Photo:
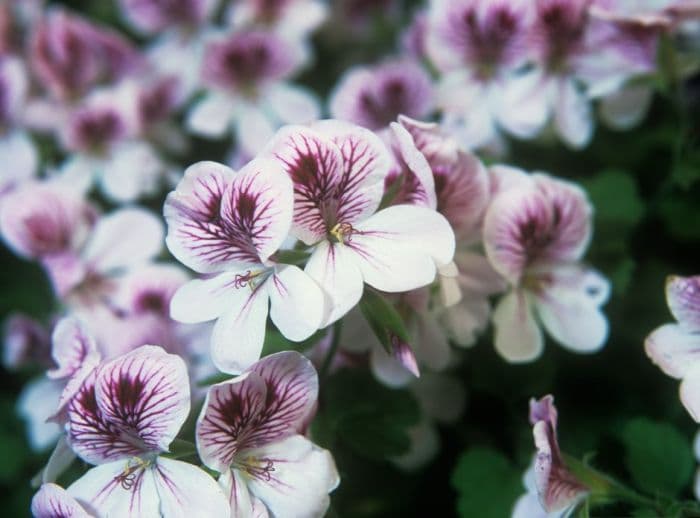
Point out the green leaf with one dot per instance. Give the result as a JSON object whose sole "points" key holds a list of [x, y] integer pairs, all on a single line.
{"points": [[680, 214], [368, 417], [658, 456], [615, 198], [487, 484], [383, 318]]}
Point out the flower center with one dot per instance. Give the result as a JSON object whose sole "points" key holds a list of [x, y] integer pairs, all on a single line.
{"points": [[129, 476], [258, 468], [251, 279], [343, 232]]}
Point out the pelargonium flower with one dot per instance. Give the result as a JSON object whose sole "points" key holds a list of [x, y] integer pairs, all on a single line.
{"points": [[70, 55], [228, 225], [246, 76], [477, 45], [123, 420], [535, 234], [557, 489], [25, 342], [250, 430], [375, 96], [17, 150], [52, 501], [338, 171], [81, 252], [294, 19], [674, 347]]}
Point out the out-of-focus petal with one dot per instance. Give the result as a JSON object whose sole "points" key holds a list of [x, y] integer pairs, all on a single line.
{"points": [[673, 349], [572, 115], [683, 298], [517, 338], [52, 501]]}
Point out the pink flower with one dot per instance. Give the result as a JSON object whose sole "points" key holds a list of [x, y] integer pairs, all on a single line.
{"points": [[153, 16], [123, 419], [535, 234], [52, 501], [250, 430]]}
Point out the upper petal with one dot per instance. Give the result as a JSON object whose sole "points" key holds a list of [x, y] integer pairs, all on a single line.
{"points": [[683, 297], [228, 416], [71, 347], [256, 210], [297, 303], [315, 165], [124, 238], [192, 212], [300, 477]]}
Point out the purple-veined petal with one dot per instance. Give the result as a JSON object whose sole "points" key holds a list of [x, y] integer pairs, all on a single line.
{"points": [[192, 213], [72, 347], [201, 300], [683, 298], [568, 304], [437, 147], [149, 290], [399, 248], [557, 488], [230, 413], [292, 390], [242, 502], [160, 487], [52, 501], [366, 163], [239, 333], [517, 337], [419, 184], [334, 267], [527, 226], [146, 394], [315, 165], [292, 477], [673, 349], [297, 303], [572, 115], [124, 238], [256, 210]]}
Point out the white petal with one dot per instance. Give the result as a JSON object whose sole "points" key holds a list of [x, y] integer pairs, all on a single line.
{"points": [[302, 478], [517, 336], [388, 369], [238, 335], [243, 504], [124, 238], [690, 392], [254, 129], [569, 308], [211, 116], [625, 109], [524, 105], [19, 157], [297, 303], [334, 268], [673, 349], [293, 104], [61, 458], [133, 170], [36, 403], [201, 300], [572, 115]]}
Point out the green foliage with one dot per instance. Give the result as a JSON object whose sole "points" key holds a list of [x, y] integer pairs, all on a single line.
{"points": [[657, 455], [368, 417], [487, 484]]}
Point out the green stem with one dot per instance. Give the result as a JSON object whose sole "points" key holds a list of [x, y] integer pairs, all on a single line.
{"points": [[335, 342]]}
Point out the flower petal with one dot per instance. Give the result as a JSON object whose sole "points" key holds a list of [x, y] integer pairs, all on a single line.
{"points": [[238, 335], [133, 170], [673, 349], [683, 297], [419, 182], [72, 347], [124, 238], [517, 336], [397, 249], [192, 213], [296, 303], [201, 300], [52, 501], [211, 116], [254, 129], [293, 104], [302, 478], [334, 268], [315, 165], [626, 108], [572, 115], [569, 307], [256, 210], [241, 501], [230, 412]]}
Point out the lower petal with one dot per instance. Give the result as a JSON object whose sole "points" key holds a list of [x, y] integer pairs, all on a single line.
{"points": [[238, 335], [201, 300], [517, 336], [53, 501], [673, 349], [241, 501], [302, 478], [211, 116], [296, 303], [572, 115], [293, 104]]}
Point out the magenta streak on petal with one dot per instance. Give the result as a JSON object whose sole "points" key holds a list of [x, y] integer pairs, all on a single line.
{"points": [[315, 185], [233, 410], [130, 480], [140, 411], [359, 163], [174, 490], [213, 237]]}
